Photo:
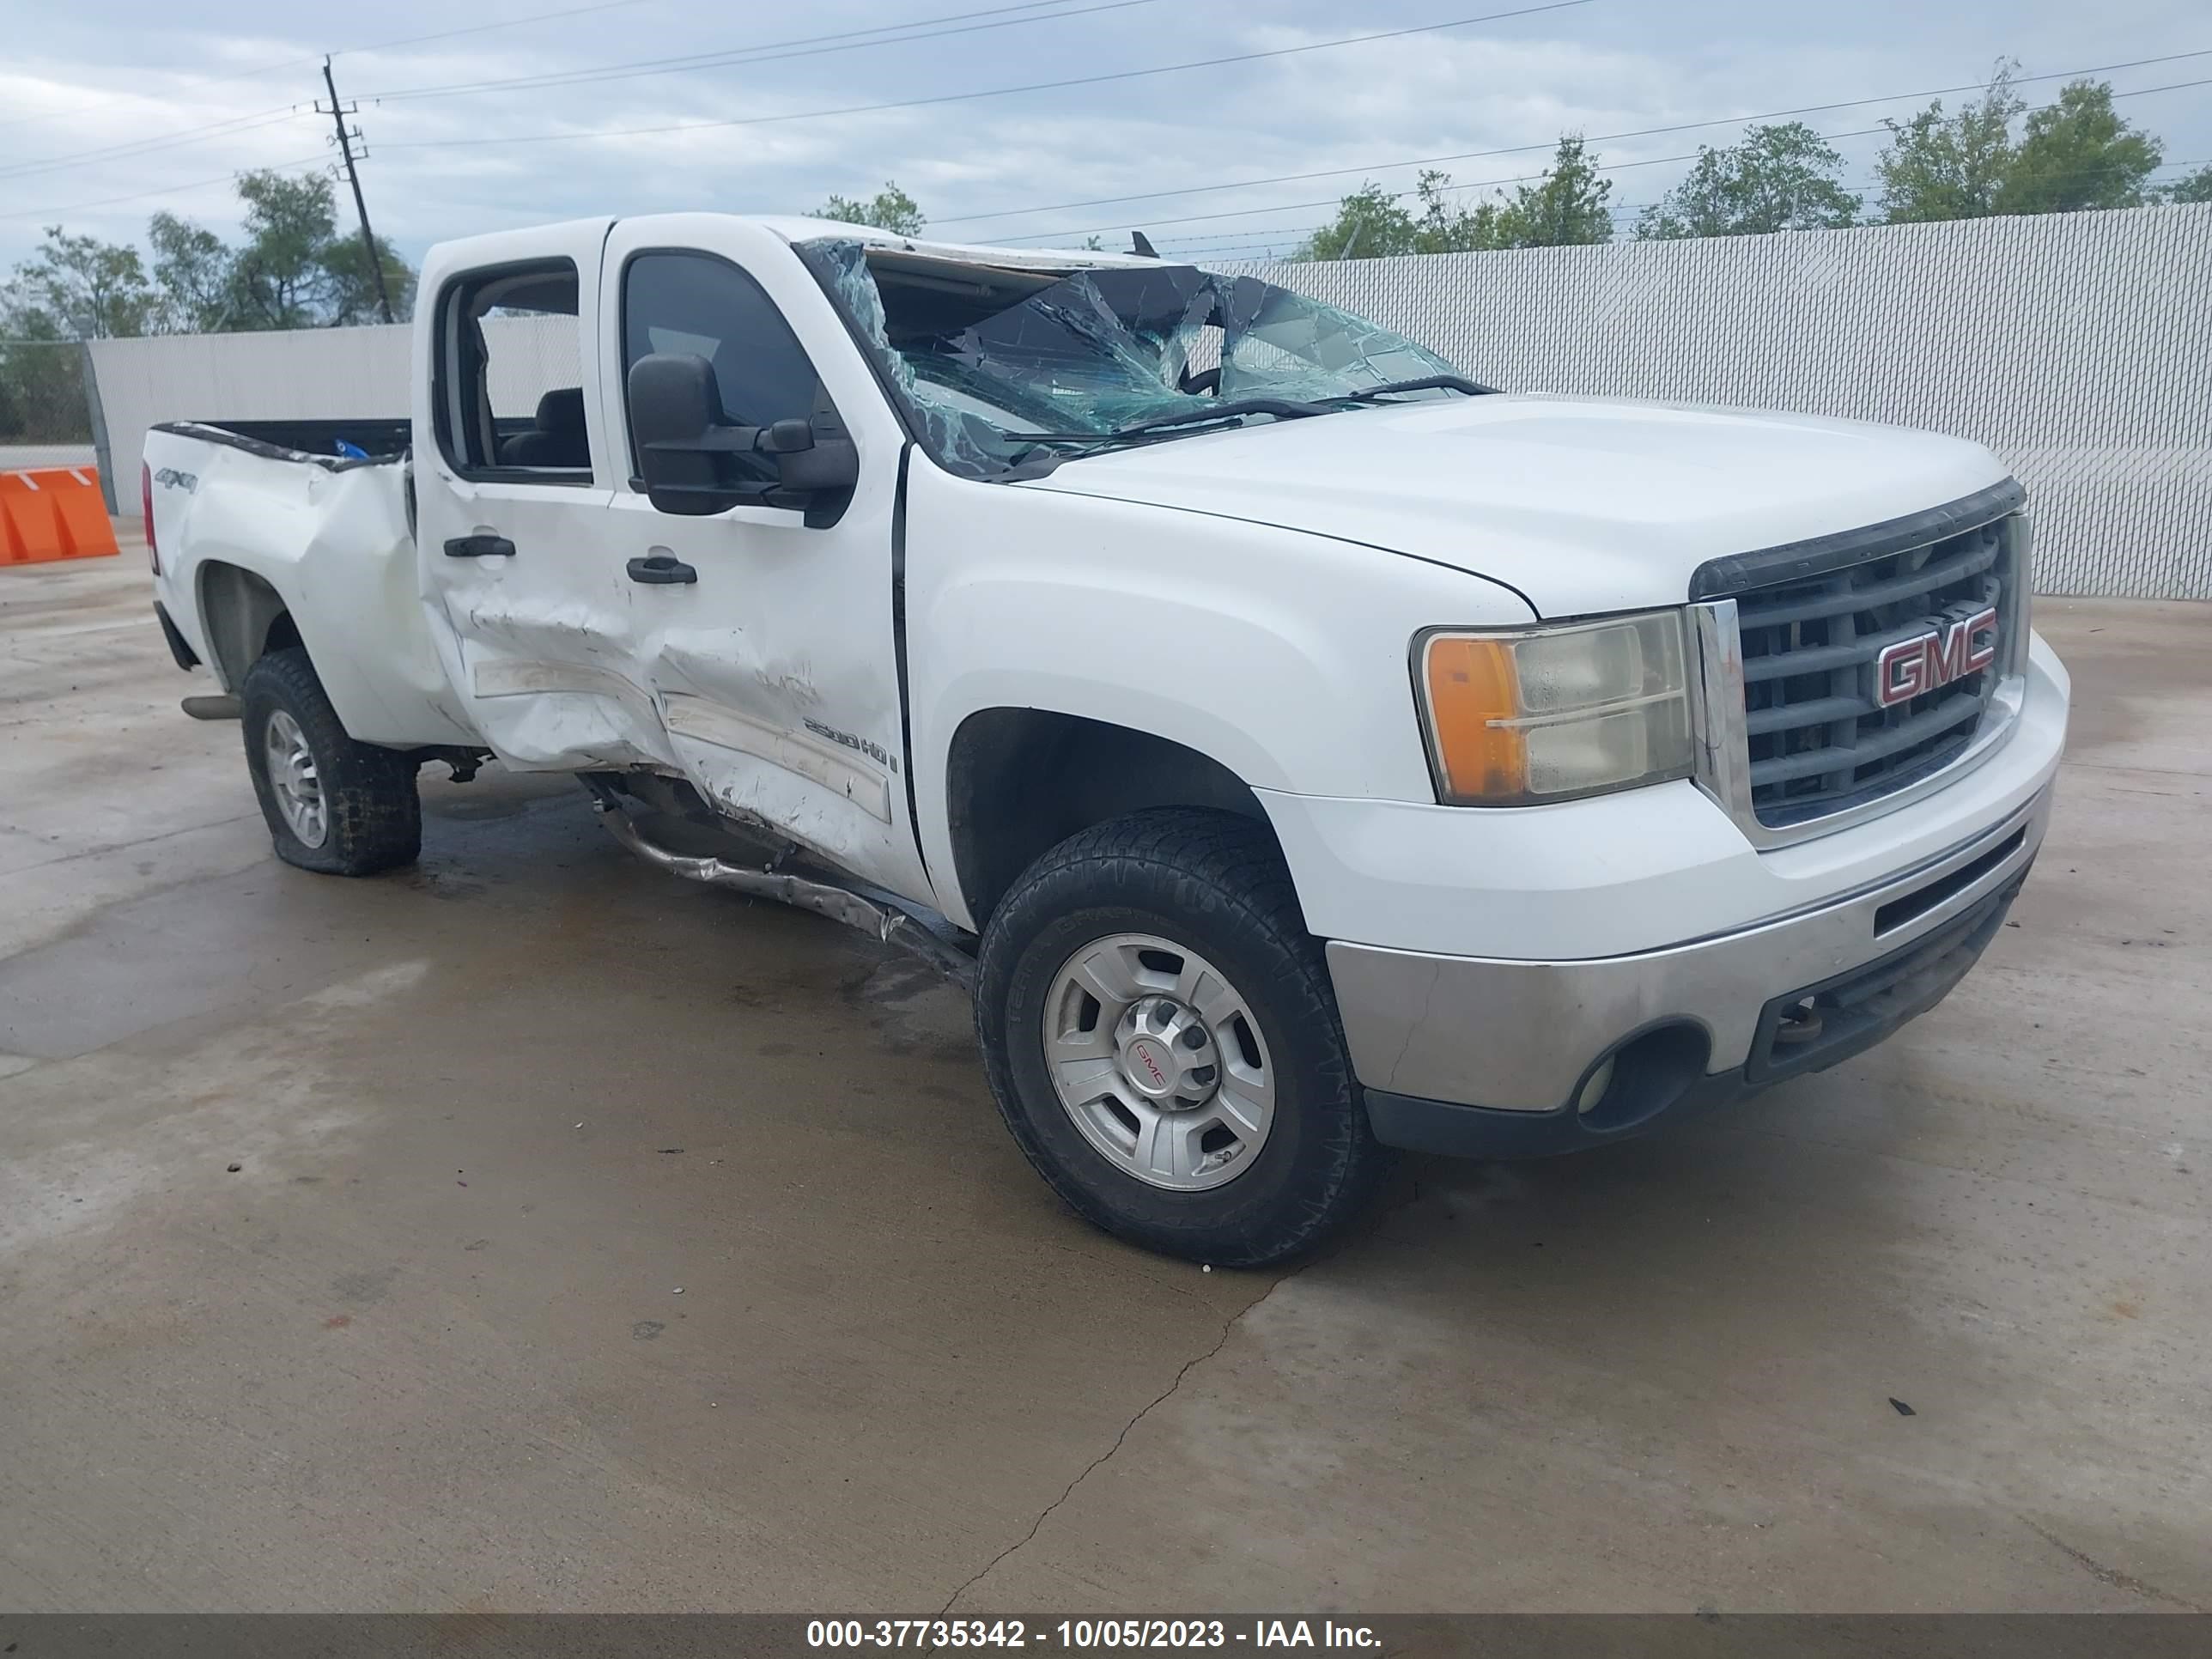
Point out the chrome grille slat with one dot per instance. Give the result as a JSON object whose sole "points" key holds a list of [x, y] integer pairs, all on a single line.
{"points": [[1918, 729], [1816, 741], [1824, 708], [1810, 661]]}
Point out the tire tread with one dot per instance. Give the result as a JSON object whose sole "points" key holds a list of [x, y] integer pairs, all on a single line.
{"points": [[1218, 869], [376, 813]]}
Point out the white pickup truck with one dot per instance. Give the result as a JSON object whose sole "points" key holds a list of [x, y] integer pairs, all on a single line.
{"points": [[1301, 749]]}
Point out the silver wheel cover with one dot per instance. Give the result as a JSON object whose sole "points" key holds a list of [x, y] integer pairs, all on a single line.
{"points": [[1158, 1061], [294, 780]]}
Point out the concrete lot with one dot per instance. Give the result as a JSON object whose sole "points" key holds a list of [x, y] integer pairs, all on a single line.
{"points": [[426, 1349]]}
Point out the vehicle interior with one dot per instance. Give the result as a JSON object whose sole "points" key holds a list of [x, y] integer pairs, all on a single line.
{"points": [[512, 341]]}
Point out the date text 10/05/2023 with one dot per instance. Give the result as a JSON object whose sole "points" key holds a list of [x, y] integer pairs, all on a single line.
{"points": [[1084, 1634]]}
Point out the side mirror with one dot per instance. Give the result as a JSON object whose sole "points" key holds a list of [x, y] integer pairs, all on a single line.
{"points": [[675, 413], [691, 460], [809, 462]]}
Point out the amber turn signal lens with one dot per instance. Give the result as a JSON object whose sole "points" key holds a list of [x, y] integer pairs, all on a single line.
{"points": [[1471, 685]]}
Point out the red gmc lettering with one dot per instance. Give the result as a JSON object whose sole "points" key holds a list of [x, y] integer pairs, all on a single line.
{"points": [[1912, 667]]}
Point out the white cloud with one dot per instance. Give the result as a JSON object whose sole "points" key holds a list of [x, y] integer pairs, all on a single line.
{"points": [[77, 84]]}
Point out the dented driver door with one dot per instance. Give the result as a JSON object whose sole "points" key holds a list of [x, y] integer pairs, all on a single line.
{"points": [[766, 643]]}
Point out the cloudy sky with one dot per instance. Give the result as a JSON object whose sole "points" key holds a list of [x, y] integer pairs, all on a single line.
{"points": [[489, 116]]}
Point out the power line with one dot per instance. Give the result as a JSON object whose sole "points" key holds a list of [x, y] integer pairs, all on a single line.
{"points": [[162, 141], [1519, 149], [165, 189], [810, 46], [991, 92], [315, 57], [768, 52], [483, 28]]}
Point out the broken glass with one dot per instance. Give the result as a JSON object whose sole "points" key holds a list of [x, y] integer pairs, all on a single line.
{"points": [[988, 361], [948, 433]]}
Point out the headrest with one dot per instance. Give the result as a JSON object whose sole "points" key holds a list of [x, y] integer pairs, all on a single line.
{"points": [[562, 409]]}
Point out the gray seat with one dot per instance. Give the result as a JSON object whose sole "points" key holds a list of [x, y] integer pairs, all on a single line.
{"points": [[555, 437]]}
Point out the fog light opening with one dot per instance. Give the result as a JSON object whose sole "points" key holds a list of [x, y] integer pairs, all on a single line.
{"points": [[1800, 1023], [1642, 1077], [1593, 1091]]}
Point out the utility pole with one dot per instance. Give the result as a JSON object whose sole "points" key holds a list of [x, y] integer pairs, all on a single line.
{"points": [[337, 113]]}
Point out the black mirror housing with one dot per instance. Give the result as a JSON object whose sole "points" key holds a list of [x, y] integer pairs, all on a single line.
{"points": [[687, 450], [675, 415], [826, 464]]}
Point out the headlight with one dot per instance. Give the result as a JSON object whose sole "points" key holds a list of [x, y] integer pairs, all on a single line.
{"points": [[1550, 712]]}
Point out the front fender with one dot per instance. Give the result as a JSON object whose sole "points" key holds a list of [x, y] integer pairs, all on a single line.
{"points": [[1282, 655]]}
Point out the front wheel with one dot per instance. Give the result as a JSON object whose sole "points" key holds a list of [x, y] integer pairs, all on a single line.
{"points": [[1163, 1040]]}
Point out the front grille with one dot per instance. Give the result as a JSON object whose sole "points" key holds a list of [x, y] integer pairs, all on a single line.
{"points": [[1818, 741]]}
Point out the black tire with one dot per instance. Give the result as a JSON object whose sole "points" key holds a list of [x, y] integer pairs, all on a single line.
{"points": [[373, 818], [1216, 885]]}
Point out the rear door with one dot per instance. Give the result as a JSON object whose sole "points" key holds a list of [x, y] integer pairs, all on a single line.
{"points": [[514, 470], [774, 658]]}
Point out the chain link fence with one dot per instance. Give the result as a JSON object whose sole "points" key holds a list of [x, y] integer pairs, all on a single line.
{"points": [[45, 408]]}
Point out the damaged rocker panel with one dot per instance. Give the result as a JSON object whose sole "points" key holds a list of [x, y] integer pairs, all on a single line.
{"points": [[880, 918]]}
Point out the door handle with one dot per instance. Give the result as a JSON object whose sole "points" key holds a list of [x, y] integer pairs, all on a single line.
{"points": [[479, 547], [661, 570]]}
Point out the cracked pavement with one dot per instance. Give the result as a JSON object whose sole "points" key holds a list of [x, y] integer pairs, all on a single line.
{"points": [[600, 1242]]}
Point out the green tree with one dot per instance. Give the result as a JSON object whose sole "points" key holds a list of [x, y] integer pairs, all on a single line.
{"points": [[42, 391], [1939, 167], [73, 288], [352, 297], [1777, 177], [77, 288], [1565, 205], [192, 272], [1371, 223], [1564, 208], [2071, 156], [279, 279], [298, 267], [2190, 187], [2078, 154], [890, 209]]}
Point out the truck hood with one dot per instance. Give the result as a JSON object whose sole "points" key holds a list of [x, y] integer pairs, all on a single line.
{"points": [[1582, 505]]}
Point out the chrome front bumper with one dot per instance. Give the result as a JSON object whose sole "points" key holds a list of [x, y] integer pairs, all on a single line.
{"points": [[1501, 1040]]}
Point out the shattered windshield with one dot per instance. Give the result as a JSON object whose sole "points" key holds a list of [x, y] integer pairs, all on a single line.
{"points": [[999, 365]]}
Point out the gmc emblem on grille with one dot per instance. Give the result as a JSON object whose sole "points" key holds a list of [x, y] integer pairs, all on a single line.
{"points": [[1947, 652]]}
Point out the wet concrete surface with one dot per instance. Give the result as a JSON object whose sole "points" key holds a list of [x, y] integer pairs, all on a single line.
{"points": [[599, 1241]]}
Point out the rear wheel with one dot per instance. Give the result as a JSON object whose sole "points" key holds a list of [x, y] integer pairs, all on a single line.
{"points": [[332, 805], [1163, 1041]]}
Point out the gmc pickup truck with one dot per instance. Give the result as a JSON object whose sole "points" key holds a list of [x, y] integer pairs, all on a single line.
{"points": [[1300, 748]]}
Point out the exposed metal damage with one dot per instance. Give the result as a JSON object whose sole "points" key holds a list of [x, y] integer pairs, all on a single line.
{"points": [[881, 918]]}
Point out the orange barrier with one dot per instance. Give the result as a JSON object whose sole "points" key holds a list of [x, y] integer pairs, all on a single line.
{"points": [[53, 512]]}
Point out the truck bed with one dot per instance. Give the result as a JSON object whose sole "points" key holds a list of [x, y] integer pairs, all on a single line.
{"points": [[251, 526], [337, 440]]}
